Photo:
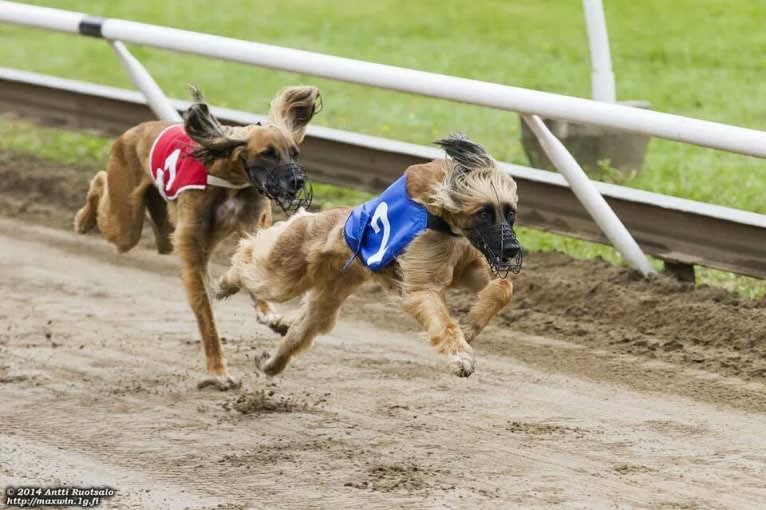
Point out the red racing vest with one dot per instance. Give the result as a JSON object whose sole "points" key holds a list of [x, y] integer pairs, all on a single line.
{"points": [[174, 169]]}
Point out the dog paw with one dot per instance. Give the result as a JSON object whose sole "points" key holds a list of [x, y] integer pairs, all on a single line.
{"points": [[220, 383], [259, 361], [470, 332], [279, 327], [273, 320], [264, 315], [462, 364], [164, 248], [272, 368], [270, 365], [223, 290], [83, 221]]}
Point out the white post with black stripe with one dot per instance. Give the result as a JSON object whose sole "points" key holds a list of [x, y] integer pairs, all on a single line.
{"points": [[156, 99], [91, 26]]}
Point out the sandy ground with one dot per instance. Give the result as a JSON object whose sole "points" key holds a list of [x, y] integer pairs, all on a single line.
{"points": [[590, 392]]}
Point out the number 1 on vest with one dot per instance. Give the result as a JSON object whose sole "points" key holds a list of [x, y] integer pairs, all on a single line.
{"points": [[171, 164]]}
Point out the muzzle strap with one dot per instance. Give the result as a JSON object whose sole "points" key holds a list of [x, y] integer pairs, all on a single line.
{"points": [[212, 180]]}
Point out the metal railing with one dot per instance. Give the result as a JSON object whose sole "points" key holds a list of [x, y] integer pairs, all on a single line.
{"points": [[527, 102], [492, 95], [670, 228]]}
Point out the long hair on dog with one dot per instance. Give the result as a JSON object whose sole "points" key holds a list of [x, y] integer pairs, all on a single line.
{"points": [[243, 168], [308, 256]]}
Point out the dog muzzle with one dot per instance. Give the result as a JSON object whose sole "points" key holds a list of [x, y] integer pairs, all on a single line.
{"points": [[283, 184], [499, 245]]}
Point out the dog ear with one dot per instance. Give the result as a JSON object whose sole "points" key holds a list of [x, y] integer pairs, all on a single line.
{"points": [[293, 109], [466, 154], [202, 127]]}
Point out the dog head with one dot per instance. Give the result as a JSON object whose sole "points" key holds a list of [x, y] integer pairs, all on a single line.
{"points": [[265, 155], [479, 201]]}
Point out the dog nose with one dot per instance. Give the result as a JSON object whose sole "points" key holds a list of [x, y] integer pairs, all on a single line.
{"points": [[511, 248], [292, 183]]}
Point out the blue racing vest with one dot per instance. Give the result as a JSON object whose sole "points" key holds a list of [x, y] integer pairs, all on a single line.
{"points": [[378, 231]]}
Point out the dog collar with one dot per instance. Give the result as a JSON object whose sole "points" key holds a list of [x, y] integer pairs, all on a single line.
{"points": [[438, 224], [212, 180]]}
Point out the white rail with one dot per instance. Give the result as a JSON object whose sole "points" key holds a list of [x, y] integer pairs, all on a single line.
{"points": [[527, 102], [602, 77], [589, 196], [670, 228], [663, 125]]}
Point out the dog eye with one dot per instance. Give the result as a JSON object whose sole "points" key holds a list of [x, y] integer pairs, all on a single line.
{"points": [[294, 152], [485, 215], [270, 152], [511, 216]]}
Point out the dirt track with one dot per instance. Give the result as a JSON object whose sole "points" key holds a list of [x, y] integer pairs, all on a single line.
{"points": [[597, 392]]}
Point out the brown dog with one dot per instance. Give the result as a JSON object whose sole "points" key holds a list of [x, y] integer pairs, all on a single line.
{"points": [[444, 224], [200, 182]]}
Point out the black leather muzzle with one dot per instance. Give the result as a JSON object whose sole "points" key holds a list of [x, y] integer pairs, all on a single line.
{"points": [[499, 245], [284, 184]]}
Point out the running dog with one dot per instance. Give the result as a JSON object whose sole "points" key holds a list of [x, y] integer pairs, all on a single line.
{"points": [[447, 223], [201, 181]]}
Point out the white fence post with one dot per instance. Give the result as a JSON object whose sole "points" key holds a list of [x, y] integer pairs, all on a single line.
{"points": [[602, 77], [158, 102], [589, 196]]}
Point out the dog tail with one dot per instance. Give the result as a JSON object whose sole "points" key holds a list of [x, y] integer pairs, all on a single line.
{"points": [[468, 155]]}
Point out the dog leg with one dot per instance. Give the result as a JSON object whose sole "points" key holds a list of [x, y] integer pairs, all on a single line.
{"points": [[492, 299], [116, 200], [85, 219], [194, 253], [493, 295], [194, 279], [230, 283], [227, 285], [158, 213], [279, 323], [317, 316], [430, 310], [264, 313]]}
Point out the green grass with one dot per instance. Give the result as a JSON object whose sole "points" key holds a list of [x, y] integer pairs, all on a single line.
{"points": [[701, 58], [66, 147]]}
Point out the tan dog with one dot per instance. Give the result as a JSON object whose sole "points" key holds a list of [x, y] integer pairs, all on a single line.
{"points": [[470, 207], [242, 168]]}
